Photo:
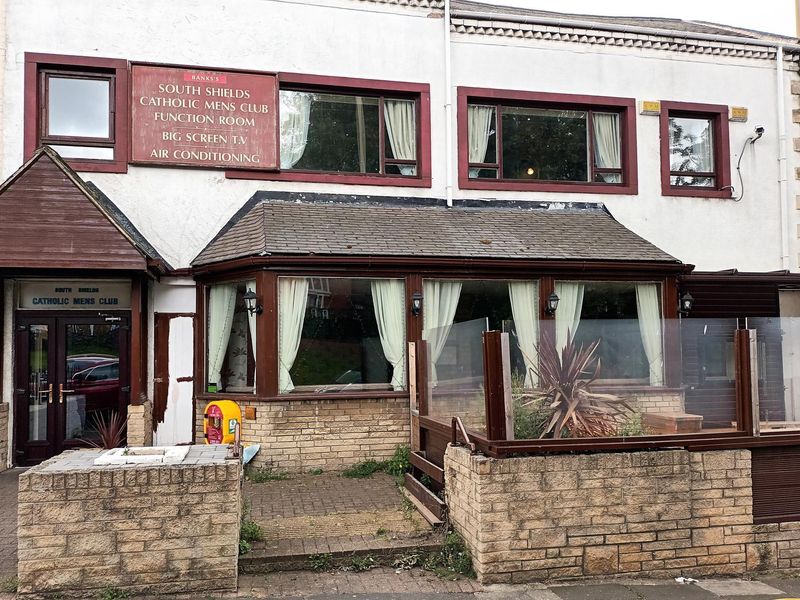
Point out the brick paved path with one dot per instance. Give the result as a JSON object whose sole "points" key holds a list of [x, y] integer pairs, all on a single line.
{"points": [[318, 514], [8, 523]]}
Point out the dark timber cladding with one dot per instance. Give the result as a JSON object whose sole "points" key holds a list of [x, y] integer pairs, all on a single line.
{"points": [[49, 219], [776, 484]]}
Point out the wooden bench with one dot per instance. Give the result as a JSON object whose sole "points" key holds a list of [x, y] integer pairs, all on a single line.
{"points": [[672, 422]]}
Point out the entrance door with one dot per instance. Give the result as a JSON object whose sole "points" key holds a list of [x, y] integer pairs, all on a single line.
{"points": [[72, 373]]}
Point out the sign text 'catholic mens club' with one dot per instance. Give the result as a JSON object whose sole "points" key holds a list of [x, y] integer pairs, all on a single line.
{"points": [[203, 118]]}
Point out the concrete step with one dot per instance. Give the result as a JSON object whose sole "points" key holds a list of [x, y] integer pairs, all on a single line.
{"points": [[331, 553]]}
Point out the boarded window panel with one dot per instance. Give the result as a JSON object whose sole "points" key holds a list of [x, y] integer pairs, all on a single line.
{"points": [[776, 484]]}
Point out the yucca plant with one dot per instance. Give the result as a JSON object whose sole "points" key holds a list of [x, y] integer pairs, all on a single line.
{"points": [[110, 431], [565, 381]]}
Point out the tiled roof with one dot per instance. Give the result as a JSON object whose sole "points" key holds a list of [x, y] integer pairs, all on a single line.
{"points": [[288, 226]]}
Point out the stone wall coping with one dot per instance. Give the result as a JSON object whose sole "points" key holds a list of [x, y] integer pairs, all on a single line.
{"points": [[82, 460]]}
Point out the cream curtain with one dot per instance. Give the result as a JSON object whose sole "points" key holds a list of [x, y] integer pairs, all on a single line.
{"points": [[607, 143], [221, 305], [524, 296], [251, 325], [479, 129], [441, 301], [650, 328], [388, 298], [568, 315], [401, 128], [292, 300], [295, 115]]}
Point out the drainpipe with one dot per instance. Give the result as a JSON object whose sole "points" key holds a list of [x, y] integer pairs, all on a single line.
{"points": [[448, 106], [783, 162]]}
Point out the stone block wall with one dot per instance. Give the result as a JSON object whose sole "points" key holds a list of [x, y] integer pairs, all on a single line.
{"points": [[298, 435], [140, 424], [139, 529], [655, 401], [661, 513], [4, 408]]}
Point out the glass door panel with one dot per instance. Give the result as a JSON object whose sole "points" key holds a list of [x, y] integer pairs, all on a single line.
{"points": [[91, 388], [40, 388]]}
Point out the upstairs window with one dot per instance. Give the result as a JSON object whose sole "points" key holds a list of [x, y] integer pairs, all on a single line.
{"points": [[546, 142], [78, 106], [348, 133], [695, 158]]}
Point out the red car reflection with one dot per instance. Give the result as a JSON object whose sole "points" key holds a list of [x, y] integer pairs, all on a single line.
{"points": [[99, 384]]}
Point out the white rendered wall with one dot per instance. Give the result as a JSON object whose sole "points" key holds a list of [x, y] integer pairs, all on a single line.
{"points": [[179, 210], [179, 416]]}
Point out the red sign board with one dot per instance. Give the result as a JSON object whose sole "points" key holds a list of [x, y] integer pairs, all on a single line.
{"points": [[202, 118]]}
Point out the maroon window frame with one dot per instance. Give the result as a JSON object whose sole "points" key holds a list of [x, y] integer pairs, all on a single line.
{"points": [[366, 87], [38, 67], [718, 114], [625, 107]]}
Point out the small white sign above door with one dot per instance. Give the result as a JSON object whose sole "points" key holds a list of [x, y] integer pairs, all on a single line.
{"points": [[74, 295]]}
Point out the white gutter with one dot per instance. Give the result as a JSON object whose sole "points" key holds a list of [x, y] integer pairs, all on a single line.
{"points": [[448, 106], [783, 162], [618, 27]]}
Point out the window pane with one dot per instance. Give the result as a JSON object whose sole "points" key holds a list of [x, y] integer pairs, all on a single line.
{"points": [[400, 130], [329, 132], [608, 177], [92, 152], [691, 147], [609, 313], [78, 107], [231, 338], [407, 170], [688, 180], [340, 334], [607, 145], [482, 126], [545, 144], [482, 173]]}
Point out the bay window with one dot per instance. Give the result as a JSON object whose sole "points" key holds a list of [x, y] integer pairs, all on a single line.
{"points": [[695, 157], [230, 339], [624, 317], [337, 334], [547, 142]]}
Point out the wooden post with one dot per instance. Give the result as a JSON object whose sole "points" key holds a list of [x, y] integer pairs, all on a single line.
{"points": [[745, 378], [138, 339], [494, 384], [423, 384]]}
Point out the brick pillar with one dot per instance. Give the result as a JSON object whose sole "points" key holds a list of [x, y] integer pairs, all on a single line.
{"points": [[140, 424]]}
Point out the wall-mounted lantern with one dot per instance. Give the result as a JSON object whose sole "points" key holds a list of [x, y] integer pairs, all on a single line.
{"points": [[552, 304], [416, 303], [251, 302], [687, 303]]}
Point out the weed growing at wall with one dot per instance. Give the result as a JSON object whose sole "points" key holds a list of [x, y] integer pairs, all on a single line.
{"points": [[264, 474], [397, 466], [249, 531], [321, 562], [453, 559]]}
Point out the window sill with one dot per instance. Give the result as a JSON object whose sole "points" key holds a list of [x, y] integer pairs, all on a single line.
{"points": [[466, 183], [341, 178], [696, 192], [303, 397]]}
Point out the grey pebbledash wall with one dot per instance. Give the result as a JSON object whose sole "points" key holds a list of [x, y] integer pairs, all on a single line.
{"points": [[661, 513]]}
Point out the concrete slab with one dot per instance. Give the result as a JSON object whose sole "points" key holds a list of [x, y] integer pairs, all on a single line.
{"points": [[738, 587], [673, 591]]}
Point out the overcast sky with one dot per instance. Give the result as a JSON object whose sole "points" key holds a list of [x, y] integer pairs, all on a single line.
{"points": [[775, 16]]}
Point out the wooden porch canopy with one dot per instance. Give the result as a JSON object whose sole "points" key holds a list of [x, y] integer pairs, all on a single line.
{"points": [[275, 227], [53, 219]]}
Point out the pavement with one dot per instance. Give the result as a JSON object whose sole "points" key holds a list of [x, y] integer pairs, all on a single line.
{"points": [[8, 524], [386, 584]]}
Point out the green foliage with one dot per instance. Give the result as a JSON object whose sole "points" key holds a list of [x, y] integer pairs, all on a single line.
{"points": [[316, 471], [381, 531], [363, 469], [111, 593], [264, 474], [405, 562], [452, 559], [632, 427], [249, 531], [361, 563], [400, 463], [321, 562], [397, 466], [9, 585], [531, 419]]}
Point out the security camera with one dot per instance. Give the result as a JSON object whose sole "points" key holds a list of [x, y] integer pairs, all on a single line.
{"points": [[757, 135]]}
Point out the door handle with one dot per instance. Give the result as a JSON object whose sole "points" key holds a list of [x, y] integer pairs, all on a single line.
{"points": [[62, 391], [50, 394]]}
